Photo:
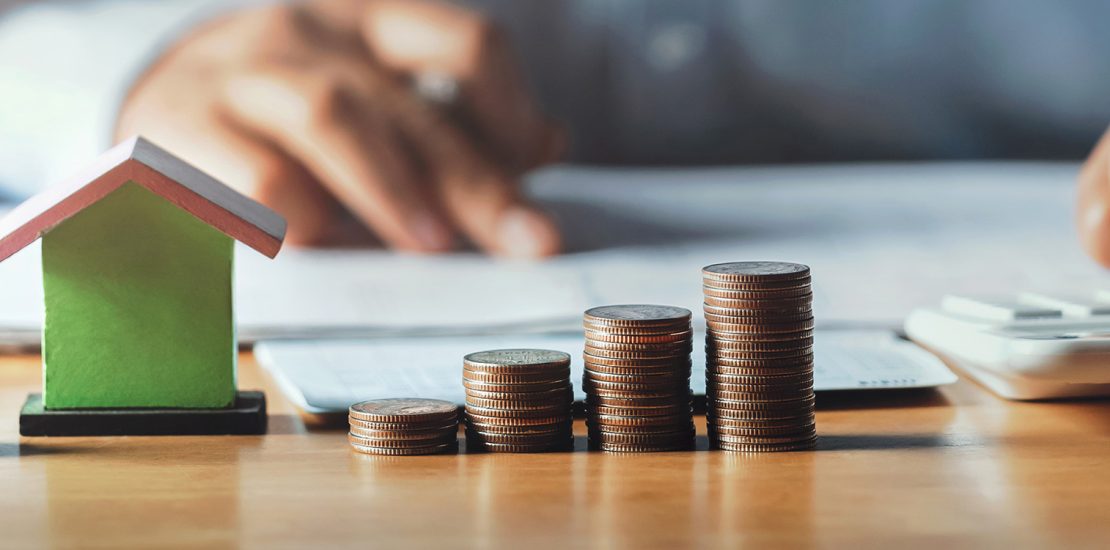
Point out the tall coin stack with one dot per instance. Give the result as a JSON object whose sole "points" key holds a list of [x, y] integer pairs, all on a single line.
{"points": [[759, 356], [637, 378], [404, 427], [518, 401]]}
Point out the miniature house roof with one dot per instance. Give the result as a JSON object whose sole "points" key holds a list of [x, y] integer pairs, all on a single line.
{"points": [[146, 164]]}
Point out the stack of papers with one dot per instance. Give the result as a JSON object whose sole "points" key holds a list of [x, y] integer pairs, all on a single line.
{"points": [[881, 239], [329, 376]]}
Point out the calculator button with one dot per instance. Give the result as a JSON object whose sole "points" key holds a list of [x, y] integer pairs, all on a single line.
{"points": [[996, 309], [1070, 306]]}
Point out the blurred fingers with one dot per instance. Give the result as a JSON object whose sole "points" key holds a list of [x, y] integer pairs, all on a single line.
{"points": [[411, 37], [480, 196], [1093, 213], [336, 129]]}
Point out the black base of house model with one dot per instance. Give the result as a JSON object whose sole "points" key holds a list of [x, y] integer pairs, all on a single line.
{"points": [[247, 416]]}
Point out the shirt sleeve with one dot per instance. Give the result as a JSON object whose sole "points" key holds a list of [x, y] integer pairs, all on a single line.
{"points": [[64, 69]]}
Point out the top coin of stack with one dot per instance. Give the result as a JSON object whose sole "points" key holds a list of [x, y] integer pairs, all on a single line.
{"points": [[759, 356], [518, 400], [637, 378], [407, 426]]}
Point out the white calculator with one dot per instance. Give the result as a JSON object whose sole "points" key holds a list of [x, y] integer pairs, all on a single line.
{"points": [[1026, 346]]}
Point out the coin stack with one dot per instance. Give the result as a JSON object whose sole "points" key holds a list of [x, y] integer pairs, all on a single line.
{"points": [[404, 427], [637, 378], [518, 401], [759, 356]]}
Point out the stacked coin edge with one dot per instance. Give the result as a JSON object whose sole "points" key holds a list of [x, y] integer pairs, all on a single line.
{"points": [[403, 427], [637, 378], [759, 356], [518, 401]]}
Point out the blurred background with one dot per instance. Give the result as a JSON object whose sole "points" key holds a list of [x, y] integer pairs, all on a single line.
{"points": [[232, 85]]}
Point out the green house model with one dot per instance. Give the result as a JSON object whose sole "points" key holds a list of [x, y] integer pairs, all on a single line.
{"points": [[137, 258]]}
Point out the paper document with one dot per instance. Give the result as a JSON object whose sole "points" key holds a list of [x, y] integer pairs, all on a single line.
{"points": [[881, 239], [330, 375]]}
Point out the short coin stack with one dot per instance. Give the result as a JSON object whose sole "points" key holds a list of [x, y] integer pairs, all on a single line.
{"points": [[759, 356], [637, 378], [404, 427], [518, 401]]}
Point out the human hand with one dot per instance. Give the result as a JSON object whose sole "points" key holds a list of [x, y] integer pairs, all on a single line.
{"points": [[309, 108], [1093, 213]]}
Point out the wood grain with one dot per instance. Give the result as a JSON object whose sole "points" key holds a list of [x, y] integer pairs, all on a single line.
{"points": [[955, 468]]}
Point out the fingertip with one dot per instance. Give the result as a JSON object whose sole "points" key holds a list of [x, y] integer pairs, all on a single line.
{"points": [[528, 234], [431, 234]]}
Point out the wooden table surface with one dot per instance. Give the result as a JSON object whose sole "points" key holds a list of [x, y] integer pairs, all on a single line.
{"points": [[955, 467]]}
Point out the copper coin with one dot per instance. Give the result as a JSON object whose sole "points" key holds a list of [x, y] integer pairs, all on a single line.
{"points": [[775, 346], [773, 431], [638, 412], [802, 377], [669, 337], [807, 445], [803, 435], [529, 387], [785, 400], [545, 395], [642, 439], [761, 286], [769, 314], [780, 363], [733, 417], [758, 336], [524, 411], [517, 378], [595, 361], [404, 410], [648, 331], [427, 433], [718, 321], [674, 348], [647, 356], [592, 429], [746, 294], [516, 360], [632, 315], [804, 419], [772, 384], [762, 419], [609, 448], [643, 383], [634, 421], [805, 300], [602, 371], [660, 377], [661, 393], [494, 428], [639, 400], [724, 397], [511, 418], [554, 436], [755, 271], [553, 446], [759, 328], [358, 439], [750, 355], [766, 409], [438, 449]]}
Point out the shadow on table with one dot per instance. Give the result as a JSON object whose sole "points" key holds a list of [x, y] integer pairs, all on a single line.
{"points": [[884, 399], [883, 442]]}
